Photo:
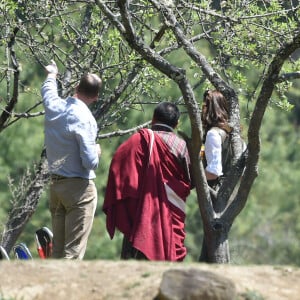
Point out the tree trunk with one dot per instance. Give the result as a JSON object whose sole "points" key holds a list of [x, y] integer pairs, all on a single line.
{"points": [[215, 245]]}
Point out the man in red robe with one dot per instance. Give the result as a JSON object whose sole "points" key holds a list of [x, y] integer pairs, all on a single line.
{"points": [[147, 187]]}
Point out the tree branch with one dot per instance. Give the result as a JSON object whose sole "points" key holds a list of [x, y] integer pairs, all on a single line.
{"points": [[268, 85], [13, 101], [178, 75], [288, 76]]}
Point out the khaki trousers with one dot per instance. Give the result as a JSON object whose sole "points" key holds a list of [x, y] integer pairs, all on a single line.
{"points": [[72, 204]]}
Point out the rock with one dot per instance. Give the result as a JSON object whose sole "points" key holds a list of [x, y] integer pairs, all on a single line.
{"points": [[194, 284]]}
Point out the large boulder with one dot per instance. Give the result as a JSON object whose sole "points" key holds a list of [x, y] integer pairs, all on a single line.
{"points": [[194, 284]]}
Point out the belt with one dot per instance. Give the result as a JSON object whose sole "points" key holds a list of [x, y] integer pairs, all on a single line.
{"points": [[58, 177]]}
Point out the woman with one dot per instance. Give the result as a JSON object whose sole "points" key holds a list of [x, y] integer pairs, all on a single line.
{"points": [[216, 129]]}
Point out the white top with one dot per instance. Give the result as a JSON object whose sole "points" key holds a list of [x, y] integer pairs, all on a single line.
{"points": [[213, 152]]}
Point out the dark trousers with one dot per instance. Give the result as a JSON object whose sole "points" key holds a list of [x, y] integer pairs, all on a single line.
{"points": [[129, 252]]}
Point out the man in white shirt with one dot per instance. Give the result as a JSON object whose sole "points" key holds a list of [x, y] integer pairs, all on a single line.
{"points": [[73, 155]]}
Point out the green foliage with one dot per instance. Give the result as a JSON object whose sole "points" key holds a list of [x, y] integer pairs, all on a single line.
{"points": [[193, 228], [2, 297], [251, 295], [238, 39], [263, 231]]}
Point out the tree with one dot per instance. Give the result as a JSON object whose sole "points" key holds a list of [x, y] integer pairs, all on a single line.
{"points": [[136, 45], [218, 214]]}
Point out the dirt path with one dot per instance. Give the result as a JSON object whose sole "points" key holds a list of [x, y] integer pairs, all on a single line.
{"points": [[116, 280]]}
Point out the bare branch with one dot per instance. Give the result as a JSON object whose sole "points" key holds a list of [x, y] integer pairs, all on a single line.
{"points": [[179, 77], [13, 101], [122, 132], [288, 76]]}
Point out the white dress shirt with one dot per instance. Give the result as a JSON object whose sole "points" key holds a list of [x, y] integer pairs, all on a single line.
{"points": [[70, 134]]}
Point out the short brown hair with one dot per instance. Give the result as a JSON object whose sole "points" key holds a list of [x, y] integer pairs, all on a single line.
{"points": [[89, 85]]}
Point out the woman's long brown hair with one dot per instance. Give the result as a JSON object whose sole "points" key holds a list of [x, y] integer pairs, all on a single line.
{"points": [[214, 111]]}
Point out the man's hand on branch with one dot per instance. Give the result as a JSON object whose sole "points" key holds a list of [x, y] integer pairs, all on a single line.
{"points": [[52, 69]]}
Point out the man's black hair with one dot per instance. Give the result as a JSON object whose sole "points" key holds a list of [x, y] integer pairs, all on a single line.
{"points": [[167, 113]]}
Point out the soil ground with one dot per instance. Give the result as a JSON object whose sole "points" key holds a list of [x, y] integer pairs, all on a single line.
{"points": [[116, 280]]}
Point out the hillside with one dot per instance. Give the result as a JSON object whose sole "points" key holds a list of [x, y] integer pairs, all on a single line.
{"points": [[116, 280]]}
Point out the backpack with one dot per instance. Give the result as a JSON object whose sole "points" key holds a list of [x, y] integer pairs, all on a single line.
{"points": [[227, 152]]}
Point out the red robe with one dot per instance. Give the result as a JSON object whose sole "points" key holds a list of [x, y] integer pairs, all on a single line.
{"points": [[136, 200]]}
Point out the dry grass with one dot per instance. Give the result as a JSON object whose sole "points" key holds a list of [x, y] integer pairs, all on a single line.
{"points": [[115, 280]]}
